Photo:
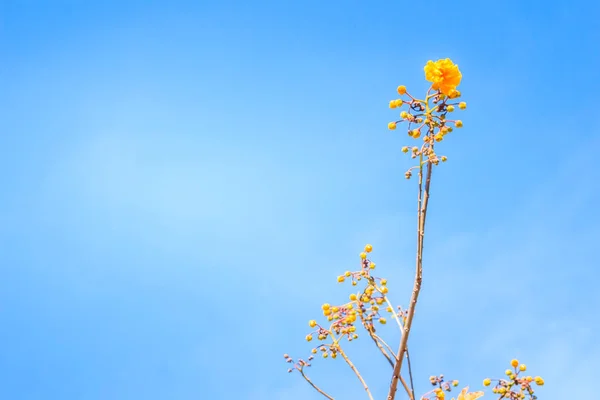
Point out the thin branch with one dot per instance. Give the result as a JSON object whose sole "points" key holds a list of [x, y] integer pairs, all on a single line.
{"points": [[422, 212], [412, 386], [356, 372], [315, 386]]}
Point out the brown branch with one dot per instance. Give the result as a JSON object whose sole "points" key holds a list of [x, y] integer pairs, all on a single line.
{"points": [[422, 212], [360, 378], [315, 386]]}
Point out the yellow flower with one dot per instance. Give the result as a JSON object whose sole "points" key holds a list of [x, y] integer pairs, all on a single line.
{"points": [[463, 395], [444, 75]]}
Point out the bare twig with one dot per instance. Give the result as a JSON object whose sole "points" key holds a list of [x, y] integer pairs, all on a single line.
{"points": [[360, 378], [412, 386], [315, 386], [422, 202]]}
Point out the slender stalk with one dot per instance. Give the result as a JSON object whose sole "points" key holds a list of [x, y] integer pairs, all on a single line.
{"points": [[315, 386], [360, 378], [412, 386], [422, 202]]}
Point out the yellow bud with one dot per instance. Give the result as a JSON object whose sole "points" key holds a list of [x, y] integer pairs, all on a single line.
{"points": [[462, 105], [353, 297], [438, 137], [384, 282], [383, 289], [314, 351], [522, 367], [392, 125], [508, 372], [353, 283], [403, 115], [513, 362], [368, 248], [450, 108], [398, 103], [458, 124], [312, 323], [372, 265], [363, 255], [393, 104], [325, 306], [444, 158], [487, 382], [415, 133], [455, 383], [308, 338], [325, 355], [382, 320], [405, 149], [401, 90], [341, 278]]}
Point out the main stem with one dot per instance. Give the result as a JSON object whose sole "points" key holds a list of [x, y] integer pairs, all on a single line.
{"points": [[422, 213]]}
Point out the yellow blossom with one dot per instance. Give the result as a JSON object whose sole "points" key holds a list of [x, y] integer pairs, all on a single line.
{"points": [[444, 75], [463, 395]]}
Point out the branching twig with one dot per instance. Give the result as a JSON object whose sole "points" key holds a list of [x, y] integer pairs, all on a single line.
{"points": [[422, 212], [315, 386], [356, 372]]}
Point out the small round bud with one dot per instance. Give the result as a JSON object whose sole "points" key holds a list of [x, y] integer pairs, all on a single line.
{"points": [[363, 255], [458, 124], [341, 278], [312, 323], [308, 338], [353, 297], [522, 367], [368, 248], [392, 126], [450, 108], [372, 265], [444, 158], [462, 105], [403, 115], [393, 104], [514, 363], [401, 90], [487, 382], [382, 321], [405, 149]]}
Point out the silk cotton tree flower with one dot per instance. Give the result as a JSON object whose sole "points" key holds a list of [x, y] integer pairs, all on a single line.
{"points": [[368, 307]]}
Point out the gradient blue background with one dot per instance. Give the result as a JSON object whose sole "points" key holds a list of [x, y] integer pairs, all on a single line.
{"points": [[181, 182]]}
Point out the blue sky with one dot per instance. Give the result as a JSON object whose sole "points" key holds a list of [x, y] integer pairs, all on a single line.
{"points": [[183, 181]]}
